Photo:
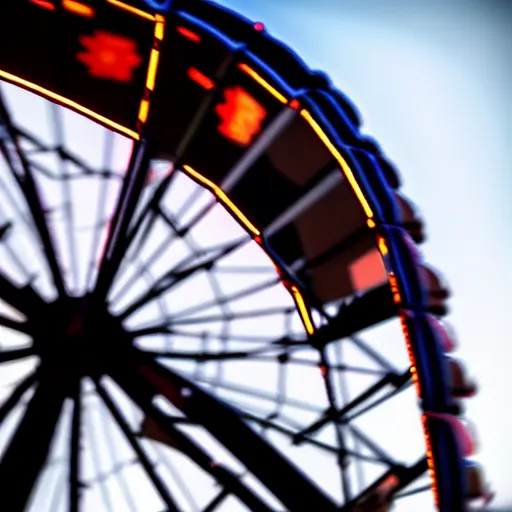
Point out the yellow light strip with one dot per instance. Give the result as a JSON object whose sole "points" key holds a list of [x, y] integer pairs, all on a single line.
{"points": [[257, 78], [303, 310], [143, 110], [159, 27], [69, 103], [138, 12], [154, 58], [344, 166], [297, 296], [383, 248], [223, 198], [153, 66]]}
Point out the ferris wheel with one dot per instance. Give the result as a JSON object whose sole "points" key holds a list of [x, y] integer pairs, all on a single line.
{"points": [[211, 291]]}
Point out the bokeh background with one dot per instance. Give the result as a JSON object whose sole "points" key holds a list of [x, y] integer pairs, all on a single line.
{"points": [[433, 81]]}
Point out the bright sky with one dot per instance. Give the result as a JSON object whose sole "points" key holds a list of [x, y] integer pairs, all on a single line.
{"points": [[430, 83]]}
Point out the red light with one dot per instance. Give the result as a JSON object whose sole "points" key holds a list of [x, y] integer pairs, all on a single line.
{"points": [[258, 26], [241, 116], [185, 32], [44, 4], [294, 104], [109, 56], [202, 80]]}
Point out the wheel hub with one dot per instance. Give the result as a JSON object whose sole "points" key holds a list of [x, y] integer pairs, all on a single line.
{"points": [[76, 337]]}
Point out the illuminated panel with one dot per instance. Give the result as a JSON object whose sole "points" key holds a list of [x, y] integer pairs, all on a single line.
{"points": [[78, 8], [68, 103], [249, 71], [200, 78], [138, 12], [303, 310], [109, 56], [344, 166], [45, 4], [241, 116], [223, 198], [185, 32], [367, 271]]}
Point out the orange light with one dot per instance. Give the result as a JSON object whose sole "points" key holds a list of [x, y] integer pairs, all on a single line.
{"points": [[109, 56], [383, 248], [159, 27], [45, 4], [370, 223], [185, 32], [153, 66], [241, 116], [294, 104], [303, 310], [347, 171], [223, 198], [410, 352], [249, 71], [198, 77], [393, 283], [78, 8], [430, 460], [138, 12], [69, 103], [143, 110]]}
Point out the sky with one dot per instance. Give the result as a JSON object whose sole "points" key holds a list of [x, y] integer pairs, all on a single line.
{"points": [[433, 82]]}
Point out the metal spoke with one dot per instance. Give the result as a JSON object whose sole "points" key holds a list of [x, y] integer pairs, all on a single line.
{"points": [[116, 243], [16, 395], [137, 448], [23, 174], [293, 488], [173, 278], [74, 460], [141, 392], [15, 354], [27, 452], [338, 415], [404, 476], [24, 299]]}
